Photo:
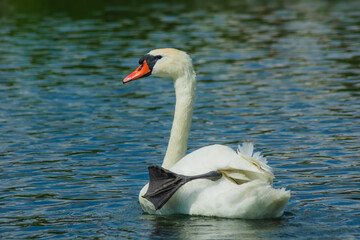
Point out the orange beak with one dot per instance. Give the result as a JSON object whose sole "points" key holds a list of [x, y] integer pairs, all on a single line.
{"points": [[142, 71]]}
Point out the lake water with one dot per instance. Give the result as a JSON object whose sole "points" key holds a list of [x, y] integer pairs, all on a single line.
{"points": [[75, 143]]}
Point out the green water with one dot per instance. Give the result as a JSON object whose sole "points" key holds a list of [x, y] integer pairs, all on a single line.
{"points": [[75, 143]]}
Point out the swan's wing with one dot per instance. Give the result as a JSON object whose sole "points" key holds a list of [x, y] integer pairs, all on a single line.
{"points": [[246, 151], [239, 167]]}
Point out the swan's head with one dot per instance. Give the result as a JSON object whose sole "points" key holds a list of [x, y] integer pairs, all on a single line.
{"points": [[165, 62]]}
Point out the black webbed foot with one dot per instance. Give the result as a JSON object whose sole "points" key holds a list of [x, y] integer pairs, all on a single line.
{"points": [[164, 183]]}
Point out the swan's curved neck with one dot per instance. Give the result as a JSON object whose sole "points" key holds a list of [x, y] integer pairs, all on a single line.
{"points": [[185, 95]]}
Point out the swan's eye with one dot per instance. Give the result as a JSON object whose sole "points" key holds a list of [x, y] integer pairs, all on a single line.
{"points": [[149, 59]]}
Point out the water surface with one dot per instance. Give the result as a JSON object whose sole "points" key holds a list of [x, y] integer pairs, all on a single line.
{"points": [[75, 142]]}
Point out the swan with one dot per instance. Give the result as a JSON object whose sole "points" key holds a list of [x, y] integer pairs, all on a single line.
{"points": [[213, 180]]}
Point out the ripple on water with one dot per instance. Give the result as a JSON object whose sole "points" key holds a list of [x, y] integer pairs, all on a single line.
{"points": [[75, 142]]}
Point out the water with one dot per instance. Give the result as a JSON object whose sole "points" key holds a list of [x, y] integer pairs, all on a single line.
{"points": [[75, 142]]}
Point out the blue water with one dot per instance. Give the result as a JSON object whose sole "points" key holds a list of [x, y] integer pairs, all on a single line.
{"points": [[75, 143]]}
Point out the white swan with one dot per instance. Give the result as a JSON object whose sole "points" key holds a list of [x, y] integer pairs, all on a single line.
{"points": [[244, 188]]}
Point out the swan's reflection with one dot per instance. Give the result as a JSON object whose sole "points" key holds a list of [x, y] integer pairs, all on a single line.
{"points": [[193, 227]]}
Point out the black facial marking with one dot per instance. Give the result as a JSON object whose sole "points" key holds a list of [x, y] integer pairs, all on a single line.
{"points": [[150, 60]]}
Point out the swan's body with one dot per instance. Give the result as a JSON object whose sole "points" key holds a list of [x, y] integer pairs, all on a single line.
{"points": [[244, 191]]}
